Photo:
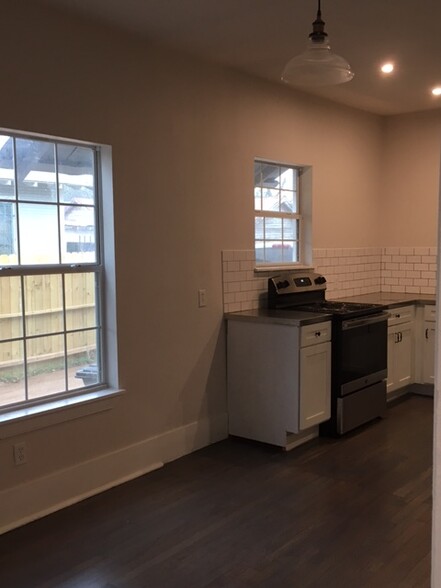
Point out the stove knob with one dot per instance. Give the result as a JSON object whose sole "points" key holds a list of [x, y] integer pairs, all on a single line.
{"points": [[320, 280], [283, 284]]}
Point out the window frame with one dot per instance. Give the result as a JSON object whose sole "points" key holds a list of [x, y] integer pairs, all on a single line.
{"points": [[303, 216], [103, 269]]}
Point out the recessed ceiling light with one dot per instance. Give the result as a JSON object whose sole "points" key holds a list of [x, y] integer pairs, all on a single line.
{"points": [[387, 68], [437, 91]]}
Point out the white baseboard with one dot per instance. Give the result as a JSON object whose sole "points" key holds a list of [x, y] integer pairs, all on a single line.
{"points": [[35, 499]]}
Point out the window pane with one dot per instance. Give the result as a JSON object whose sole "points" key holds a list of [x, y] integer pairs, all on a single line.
{"points": [[288, 178], [12, 384], [76, 174], [289, 251], [270, 175], [7, 175], [273, 228], [259, 227], [271, 200], [11, 325], [82, 359], [288, 201], [43, 305], [260, 251], [278, 252], [78, 234], [290, 229], [38, 234], [80, 301], [36, 170], [273, 252], [295, 252], [8, 234], [45, 364]]}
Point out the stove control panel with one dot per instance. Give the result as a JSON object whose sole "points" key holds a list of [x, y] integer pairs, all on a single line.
{"points": [[297, 282], [303, 282]]}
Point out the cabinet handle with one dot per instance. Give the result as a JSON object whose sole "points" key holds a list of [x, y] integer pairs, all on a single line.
{"points": [[401, 336], [396, 337], [317, 333], [427, 333], [397, 315]]}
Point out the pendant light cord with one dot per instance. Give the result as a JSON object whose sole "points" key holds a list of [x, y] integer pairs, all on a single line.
{"points": [[318, 34]]}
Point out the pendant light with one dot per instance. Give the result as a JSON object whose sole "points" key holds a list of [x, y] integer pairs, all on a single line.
{"points": [[317, 66]]}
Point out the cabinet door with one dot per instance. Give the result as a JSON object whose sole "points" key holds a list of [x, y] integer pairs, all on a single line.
{"points": [[391, 342], [404, 355], [399, 356], [429, 353], [315, 385]]}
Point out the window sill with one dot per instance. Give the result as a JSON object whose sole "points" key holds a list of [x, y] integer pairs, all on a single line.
{"points": [[283, 268], [24, 420]]}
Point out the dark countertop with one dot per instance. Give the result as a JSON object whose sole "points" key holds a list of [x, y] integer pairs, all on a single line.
{"points": [[298, 318], [392, 299], [292, 318]]}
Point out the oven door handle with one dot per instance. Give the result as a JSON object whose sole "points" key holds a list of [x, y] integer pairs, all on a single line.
{"points": [[361, 322]]}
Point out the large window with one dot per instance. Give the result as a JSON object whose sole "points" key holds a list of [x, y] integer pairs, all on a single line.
{"points": [[277, 218], [51, 270]]}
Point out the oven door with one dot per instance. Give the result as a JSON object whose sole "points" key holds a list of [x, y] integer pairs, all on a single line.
{"points": [[362, 353]]}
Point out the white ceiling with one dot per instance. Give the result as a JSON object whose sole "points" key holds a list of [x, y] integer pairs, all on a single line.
{"points": [[260, 36]]}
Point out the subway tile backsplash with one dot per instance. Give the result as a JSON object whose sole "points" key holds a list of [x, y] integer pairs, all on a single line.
{"points": [[349, 272], [243, 289], [409, 269]]}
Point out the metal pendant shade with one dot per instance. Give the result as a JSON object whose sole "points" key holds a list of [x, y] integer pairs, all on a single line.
{"points": [[318, 65]]}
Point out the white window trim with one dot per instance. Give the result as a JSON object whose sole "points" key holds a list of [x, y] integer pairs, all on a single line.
{"points": [[32, 418], [20, 419]]}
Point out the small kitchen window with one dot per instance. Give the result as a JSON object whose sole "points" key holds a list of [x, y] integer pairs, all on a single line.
{"points": [[278, 215]]}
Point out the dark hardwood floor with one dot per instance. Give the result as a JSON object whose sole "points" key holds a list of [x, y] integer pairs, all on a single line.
{"points": [[353, 512]]}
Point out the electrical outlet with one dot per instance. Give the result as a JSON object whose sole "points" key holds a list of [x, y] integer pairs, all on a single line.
{"points": [[202, 296], [20, 453]]}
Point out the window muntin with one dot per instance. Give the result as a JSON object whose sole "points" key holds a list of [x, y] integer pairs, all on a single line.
{"points": [[277, 218], [50, 294]]}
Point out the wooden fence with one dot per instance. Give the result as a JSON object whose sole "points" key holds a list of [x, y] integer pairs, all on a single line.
{"points": [[43, 301]]}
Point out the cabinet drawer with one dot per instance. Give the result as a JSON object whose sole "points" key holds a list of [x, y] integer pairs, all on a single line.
{"points": [[429, 312], [316, 333], [402, 314]]}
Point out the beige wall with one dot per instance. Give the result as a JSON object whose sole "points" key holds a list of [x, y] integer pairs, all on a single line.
{"points": [[410, 171], [184, 136]]}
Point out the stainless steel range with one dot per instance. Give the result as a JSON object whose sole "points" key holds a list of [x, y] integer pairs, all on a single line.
{"points": [[359, 348]]}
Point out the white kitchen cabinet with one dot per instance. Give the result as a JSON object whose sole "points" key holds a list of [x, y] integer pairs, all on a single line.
{"points": [[428, 367], [400, 348], [278, 378], [315, 385]]}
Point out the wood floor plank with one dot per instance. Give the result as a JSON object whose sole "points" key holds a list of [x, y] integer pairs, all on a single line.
{"points": [[352, 512]]}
